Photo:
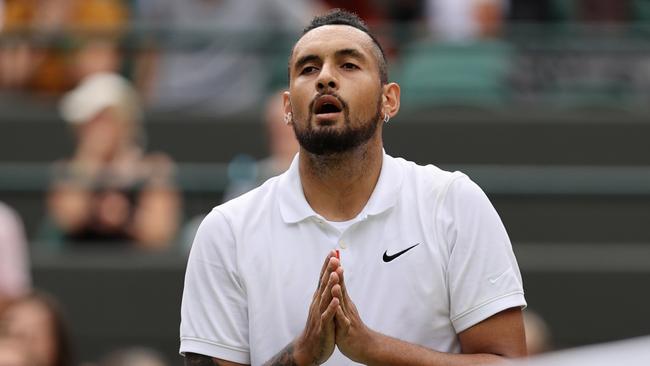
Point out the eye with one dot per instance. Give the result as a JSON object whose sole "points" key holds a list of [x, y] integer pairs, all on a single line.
{"points": [[307, 70], [349, 66]]}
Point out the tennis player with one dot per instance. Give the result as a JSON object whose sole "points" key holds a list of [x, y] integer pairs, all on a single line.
{"points": [[352, 256]]}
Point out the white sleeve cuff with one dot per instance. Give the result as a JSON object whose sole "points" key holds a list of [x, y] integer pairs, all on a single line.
{"points": [[216, 350], [483, 311]]}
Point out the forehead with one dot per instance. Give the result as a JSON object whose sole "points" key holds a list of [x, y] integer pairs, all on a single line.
{"points": [[330, 38]]}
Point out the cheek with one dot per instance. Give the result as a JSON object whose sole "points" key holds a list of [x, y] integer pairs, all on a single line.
{"points": [[301, 96], [300, 112], [364, 105]]}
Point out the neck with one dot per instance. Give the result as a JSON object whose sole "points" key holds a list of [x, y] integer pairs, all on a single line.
{"points": [[338, 186]]}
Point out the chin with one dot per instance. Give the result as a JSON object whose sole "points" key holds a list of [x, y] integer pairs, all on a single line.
{"points": [[330, 119], [329, 124]]}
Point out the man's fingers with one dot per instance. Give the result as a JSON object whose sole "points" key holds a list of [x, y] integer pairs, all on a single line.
{"points": [[339, 272], [326, 296], [322, 271], [330, 312], [337, 291], [331, 254], [330, 266], [344, 294], [342, 321]]}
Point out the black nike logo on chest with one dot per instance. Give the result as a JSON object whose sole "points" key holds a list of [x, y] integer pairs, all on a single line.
{"points": [[387, 258]]}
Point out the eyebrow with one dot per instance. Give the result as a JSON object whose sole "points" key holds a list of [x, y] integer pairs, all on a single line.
{"points": [[351, 52], [305, 60]]}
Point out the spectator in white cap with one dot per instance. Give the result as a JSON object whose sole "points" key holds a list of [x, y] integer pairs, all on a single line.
{"points": [[110, 190]]}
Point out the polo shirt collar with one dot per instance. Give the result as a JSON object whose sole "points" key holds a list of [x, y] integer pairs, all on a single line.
{"points": [[295, 208]]}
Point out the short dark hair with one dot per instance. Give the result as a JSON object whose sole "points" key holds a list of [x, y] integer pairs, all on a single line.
{"points": [[342, 17]]}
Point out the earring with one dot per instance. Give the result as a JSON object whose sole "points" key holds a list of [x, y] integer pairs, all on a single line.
{"points": [[287, 118], [386, 118]]}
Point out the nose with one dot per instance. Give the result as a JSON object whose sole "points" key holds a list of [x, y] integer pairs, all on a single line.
{"points": [[326, 79]]}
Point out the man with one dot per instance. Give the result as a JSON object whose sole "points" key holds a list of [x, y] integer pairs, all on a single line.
{"points": [[420, 270]]}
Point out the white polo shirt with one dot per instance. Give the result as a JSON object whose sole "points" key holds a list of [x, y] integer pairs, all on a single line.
{"points": [[255, 262]]}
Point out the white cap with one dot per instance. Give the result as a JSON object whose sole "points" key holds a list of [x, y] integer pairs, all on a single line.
{"points": [[97, 92]]}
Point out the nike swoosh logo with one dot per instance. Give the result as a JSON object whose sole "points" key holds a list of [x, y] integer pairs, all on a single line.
{"points": [[497, 278], [387, 258]]}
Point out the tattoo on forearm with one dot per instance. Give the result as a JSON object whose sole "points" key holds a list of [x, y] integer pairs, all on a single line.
{"points": [[192, 359], [283, 358]]}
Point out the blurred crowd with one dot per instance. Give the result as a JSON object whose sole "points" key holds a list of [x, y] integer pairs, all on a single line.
{"points": [[182, 55], [34, 330], [106, 62]]}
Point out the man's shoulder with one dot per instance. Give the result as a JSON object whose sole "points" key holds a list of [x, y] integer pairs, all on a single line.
{"points": [[258, 199], [427, 177]]}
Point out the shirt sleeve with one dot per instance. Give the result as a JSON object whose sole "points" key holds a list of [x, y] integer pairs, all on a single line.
{"points": [[214, 312], [483, 275]]}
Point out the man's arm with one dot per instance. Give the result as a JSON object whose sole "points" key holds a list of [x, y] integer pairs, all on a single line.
{"points": [[193, 359], [492, 340], [286, 357], [384, 350]]}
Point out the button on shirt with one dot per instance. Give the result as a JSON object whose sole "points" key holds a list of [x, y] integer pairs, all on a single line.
{"points": [[427, 258]]}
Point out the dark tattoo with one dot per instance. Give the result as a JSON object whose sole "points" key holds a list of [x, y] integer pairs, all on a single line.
{"points": [[192, 359], [283, 358]]}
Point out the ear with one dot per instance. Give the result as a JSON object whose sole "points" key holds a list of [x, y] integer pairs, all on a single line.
{"points": [[391, 99], [286, 102]]}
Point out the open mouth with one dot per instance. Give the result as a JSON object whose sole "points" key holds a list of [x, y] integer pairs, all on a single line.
{"points": [[327, 104]]}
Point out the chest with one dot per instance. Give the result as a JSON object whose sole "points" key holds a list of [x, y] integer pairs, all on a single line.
{"points": [[395, 272]]}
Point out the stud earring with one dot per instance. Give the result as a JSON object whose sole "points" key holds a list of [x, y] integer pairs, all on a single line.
{"points": [[287, 118], [386, 118]]}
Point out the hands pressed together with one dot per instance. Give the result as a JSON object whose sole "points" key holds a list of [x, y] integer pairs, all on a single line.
{"points": [[333, 320]]}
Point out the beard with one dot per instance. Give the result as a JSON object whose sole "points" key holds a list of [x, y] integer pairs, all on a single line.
{"points": [[328, 140]]}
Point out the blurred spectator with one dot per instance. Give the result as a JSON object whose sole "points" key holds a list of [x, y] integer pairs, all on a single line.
{"points": [[36, 322], [283, 146], [465, 20], [531, 11], [55, 43], [244, 173], [110, 190], [538, 335], [390, 21], [13, 353], [371, 11], [137, 356], [605, 11], [211, 61], [15, 280]]}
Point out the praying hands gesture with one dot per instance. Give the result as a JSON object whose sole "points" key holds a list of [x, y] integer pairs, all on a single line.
{"points": [[316, 344], [335, 321]]}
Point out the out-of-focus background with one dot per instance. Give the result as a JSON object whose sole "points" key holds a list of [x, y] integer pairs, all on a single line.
{"points": [[122, 123]]}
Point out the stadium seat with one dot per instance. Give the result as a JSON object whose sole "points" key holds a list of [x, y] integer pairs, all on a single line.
{"points": [[435, 74]]}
